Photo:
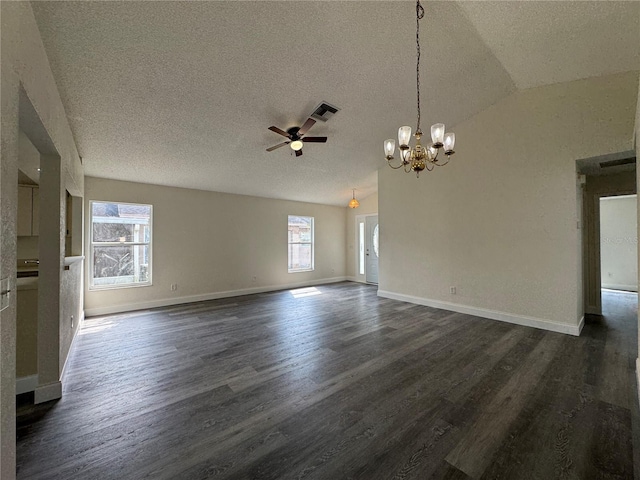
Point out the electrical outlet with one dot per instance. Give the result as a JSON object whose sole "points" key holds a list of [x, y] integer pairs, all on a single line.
{"points": [[174, 287], [71, 321], [255, 278], [452, 290]]}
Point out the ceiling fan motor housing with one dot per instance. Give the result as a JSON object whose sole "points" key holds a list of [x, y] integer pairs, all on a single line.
{"points": [[293, 133]]}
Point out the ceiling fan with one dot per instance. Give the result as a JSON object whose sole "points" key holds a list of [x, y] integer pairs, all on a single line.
{"points": [[295, 134]]}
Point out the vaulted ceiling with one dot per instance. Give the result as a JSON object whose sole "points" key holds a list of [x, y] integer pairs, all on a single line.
{"points": [[182, 93]]}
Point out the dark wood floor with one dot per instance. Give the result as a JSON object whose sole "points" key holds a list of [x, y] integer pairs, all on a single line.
{"points": [[336, 383]]}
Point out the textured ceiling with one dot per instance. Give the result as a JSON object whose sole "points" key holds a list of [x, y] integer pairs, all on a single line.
{"points": [[550, 42], [182, 93]]}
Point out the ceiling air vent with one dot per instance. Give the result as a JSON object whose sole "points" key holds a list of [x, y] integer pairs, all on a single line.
{"points": [[324, 112], [617, 163]]}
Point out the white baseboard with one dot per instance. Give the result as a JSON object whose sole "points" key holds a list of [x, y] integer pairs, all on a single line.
{"points": [[617, 286], [351, 279], [491, 314], [164, 302], [26, 384], [51, 391]]}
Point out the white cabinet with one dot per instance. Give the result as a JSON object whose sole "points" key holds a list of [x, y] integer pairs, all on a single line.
{"points": [[28, 211]]}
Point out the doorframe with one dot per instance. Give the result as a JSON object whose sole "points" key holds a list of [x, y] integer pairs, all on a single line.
{"points": [[590, 237], [358, 219]]}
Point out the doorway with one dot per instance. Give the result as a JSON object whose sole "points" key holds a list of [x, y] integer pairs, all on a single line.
{"points": [[619, 243], [600, 177], [367, 244], [372, 248]]}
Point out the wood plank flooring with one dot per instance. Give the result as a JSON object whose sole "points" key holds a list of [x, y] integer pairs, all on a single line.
{"points": [[333, 382]]}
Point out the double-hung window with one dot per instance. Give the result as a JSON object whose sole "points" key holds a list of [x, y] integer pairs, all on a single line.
{"points": [[120, 245], [300, 244]]}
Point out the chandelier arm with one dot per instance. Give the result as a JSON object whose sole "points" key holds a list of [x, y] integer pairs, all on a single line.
{"points": [[426, 166], [442, 164], [395, 168], [405, 167]]}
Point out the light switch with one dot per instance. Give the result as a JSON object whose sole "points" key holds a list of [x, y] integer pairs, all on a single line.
{"points": [[5, 291]]}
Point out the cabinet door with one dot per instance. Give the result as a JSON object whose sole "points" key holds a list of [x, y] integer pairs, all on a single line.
{"points": [[25, 206], [35, 211]]}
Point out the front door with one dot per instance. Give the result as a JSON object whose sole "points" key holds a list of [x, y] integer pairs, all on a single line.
{"points": [[371, 248]]}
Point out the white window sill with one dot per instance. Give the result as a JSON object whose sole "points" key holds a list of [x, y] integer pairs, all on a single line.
{"points": [[119, 286]]}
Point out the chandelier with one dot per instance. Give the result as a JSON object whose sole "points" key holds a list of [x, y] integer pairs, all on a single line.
{"points": [[420, 157]]}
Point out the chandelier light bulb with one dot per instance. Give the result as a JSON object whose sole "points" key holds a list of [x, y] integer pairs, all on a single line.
{"points": [[404, 136], [389, 147], [437, 134], [449, 142], [296, 145]]}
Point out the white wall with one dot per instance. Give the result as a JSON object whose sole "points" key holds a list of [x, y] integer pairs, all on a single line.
{"points": [[619, 242], [368, 206], [23, 65], [214, 244], [500, 221]]}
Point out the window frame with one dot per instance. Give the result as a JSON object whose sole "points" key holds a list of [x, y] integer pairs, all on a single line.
{"points": [[92, 245], [311, 243]]}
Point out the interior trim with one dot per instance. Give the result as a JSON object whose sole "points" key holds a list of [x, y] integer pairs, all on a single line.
{"points": [[165, 302], [490, 314], [51, 391], [26, 384]]}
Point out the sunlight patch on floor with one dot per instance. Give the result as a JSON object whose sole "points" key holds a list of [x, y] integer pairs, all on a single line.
{"points": [[305, 292], [89, 329]]}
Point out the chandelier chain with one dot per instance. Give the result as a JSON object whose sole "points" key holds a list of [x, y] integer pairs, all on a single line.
{"points": [[419, 16]]}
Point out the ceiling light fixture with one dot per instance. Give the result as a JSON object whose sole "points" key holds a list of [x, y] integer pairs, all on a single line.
{"points": [[353, 203], [419, 157], [296, 145]]}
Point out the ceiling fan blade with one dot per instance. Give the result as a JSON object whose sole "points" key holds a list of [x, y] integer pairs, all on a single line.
{"points": [[270, 149], [298, 153], [307, 125], [315, 139], [278, 131]]}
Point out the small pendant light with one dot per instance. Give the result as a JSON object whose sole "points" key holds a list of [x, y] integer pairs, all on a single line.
{"points": [[353, 203]]}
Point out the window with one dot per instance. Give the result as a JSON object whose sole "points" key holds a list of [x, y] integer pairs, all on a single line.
{"points": [[120, 245], [300, 244]]}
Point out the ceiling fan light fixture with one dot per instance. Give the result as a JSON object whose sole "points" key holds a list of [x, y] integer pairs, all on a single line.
{"points": [[296, 145]]}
